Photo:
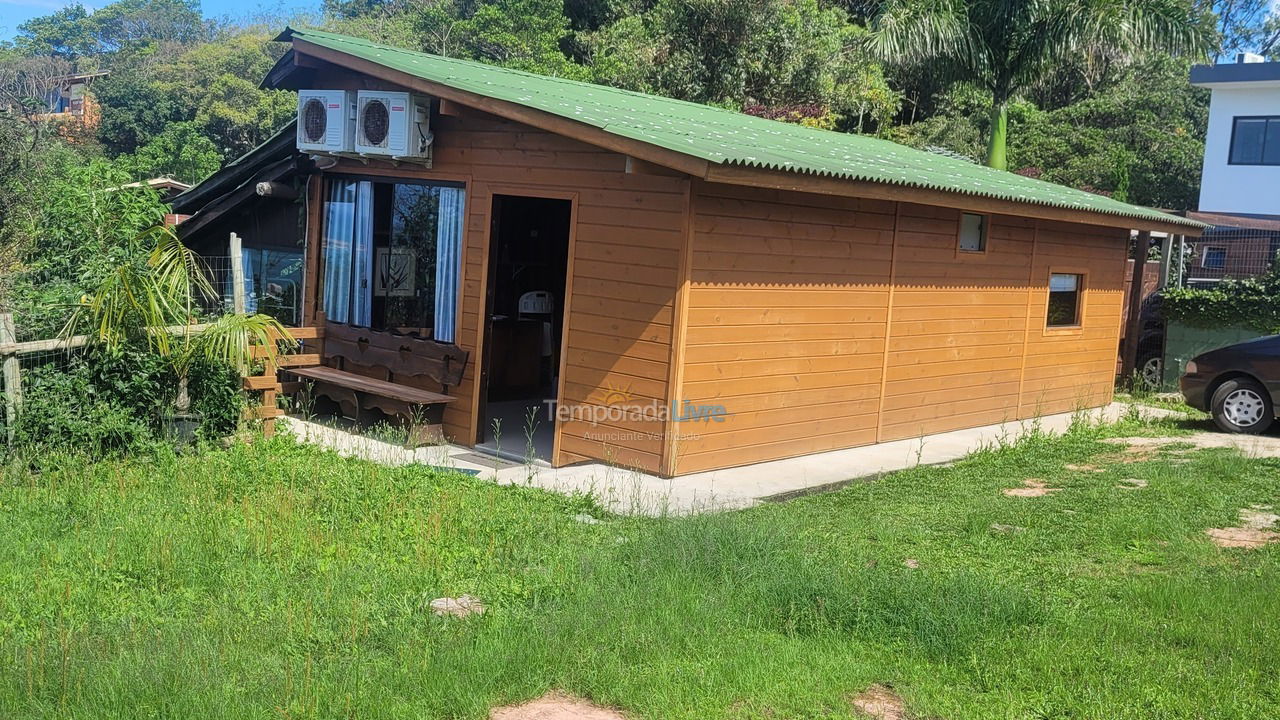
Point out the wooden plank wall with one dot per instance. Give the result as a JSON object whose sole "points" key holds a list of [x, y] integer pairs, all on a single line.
{"points": [[626, 248], [1070, 369], [822, 323], [959, 320], [786, 323]]}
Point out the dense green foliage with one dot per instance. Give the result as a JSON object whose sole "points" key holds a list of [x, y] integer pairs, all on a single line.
{"points": [[1008, 48], [71, 227], [278, 580], [1252, 303], [102, 404]]}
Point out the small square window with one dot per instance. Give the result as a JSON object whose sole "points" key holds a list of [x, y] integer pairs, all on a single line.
{"points": [[1064, 300], [973, 232], [1214, 258]]}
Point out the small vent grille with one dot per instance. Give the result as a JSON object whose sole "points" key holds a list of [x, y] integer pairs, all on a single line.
{"points": [[315, 120], [375, 123]]}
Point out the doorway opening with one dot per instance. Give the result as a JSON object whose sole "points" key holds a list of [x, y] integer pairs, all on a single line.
{"points": [[528, 264]]}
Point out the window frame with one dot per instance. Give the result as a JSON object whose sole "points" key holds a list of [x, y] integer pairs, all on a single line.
{"points": [[1235, 127], [985, 239], [1204, 258], [355, 175], [1082, 303]]}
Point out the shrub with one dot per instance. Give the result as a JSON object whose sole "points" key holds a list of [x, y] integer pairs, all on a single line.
{"points": [[1253, 303], [109, 403], [77, 408]]}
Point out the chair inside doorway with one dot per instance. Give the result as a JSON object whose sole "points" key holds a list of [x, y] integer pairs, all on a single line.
{"points": [[529, 256]]}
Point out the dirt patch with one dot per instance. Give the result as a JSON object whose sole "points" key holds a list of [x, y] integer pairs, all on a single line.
{"points": [[1132, 484], [1031, 487], [1084, 468], [1254, 532], [555, 706], [912, 563], [1257, 446], [1242, 537], [881, 703]]}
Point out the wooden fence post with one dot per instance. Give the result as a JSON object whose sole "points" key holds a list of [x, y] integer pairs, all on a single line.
{"points": [[237, 275], [12, 371]]}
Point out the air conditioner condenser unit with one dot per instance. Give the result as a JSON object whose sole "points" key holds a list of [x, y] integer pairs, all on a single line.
{"points": [[326, 120], [393, 124]]}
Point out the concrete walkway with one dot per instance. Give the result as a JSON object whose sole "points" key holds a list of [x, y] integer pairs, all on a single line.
{"points": [[630, 492]]}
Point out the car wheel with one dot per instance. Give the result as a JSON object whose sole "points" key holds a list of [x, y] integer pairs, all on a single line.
{"points": [[1241, 405], [1151, 371]]}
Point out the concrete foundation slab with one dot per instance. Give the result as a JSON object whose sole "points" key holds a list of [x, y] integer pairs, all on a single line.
{"points": [[627, 491]]}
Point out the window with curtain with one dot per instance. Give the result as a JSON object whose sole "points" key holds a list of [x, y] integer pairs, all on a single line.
{"points": [[392, 254]]}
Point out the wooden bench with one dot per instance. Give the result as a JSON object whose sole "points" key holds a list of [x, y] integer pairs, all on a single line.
{"points": [[392, 371]]}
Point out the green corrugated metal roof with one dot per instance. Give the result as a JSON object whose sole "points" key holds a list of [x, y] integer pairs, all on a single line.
{"points": [[731, 138]]}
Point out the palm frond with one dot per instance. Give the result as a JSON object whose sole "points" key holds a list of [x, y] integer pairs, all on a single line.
{"points": [[231, 339], [915, 32]]}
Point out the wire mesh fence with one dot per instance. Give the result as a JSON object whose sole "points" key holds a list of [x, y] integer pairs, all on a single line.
{"points": [[1226, 253]]}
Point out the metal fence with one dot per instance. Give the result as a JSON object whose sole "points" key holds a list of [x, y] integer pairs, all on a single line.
{"points": [[1225, 252]]}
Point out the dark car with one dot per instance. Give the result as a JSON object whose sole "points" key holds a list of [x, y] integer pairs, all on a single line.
{"points": [[1239, 384]]}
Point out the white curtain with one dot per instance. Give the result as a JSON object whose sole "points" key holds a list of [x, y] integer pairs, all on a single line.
{"points": [[448, 261], [362, 265], [348, 252], [250, 294], [339, 228]]}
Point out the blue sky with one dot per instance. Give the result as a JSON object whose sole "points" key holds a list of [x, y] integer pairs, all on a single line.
{"points": [[15, 12]]}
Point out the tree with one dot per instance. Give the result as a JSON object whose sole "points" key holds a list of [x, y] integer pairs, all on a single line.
{"points": [[67, 33], [781, 58], [1241, 25], [1006, 47], [27, 85], [127, 25], [1139, 138], [523, 34], [181, 151]]}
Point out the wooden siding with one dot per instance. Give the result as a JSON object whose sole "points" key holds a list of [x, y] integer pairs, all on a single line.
{"points": [[822, 323], [628, 234], [786, 324]]}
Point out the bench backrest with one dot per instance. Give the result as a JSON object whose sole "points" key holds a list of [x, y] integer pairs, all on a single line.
{"points": [[402, 356]]}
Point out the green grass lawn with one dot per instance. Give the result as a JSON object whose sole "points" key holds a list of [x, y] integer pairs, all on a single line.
{"points": [[277, 581]]}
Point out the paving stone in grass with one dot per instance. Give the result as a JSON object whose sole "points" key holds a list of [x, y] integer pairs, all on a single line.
{"points": [[1254, 532], [1031, 487]]}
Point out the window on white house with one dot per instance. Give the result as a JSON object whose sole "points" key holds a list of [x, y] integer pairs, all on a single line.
{"points": [[1255, 141], [973, 232], [1064, 299], [1215, 258]]}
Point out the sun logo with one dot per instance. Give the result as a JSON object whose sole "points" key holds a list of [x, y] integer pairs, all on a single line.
{"points": [[614, 395]]}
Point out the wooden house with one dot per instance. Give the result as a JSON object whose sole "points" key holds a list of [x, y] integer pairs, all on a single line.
{"points": [[694, 288]]}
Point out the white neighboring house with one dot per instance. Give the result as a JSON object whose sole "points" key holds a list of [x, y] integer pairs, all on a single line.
{"points": [[1240, 178], [1241, 172]]}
